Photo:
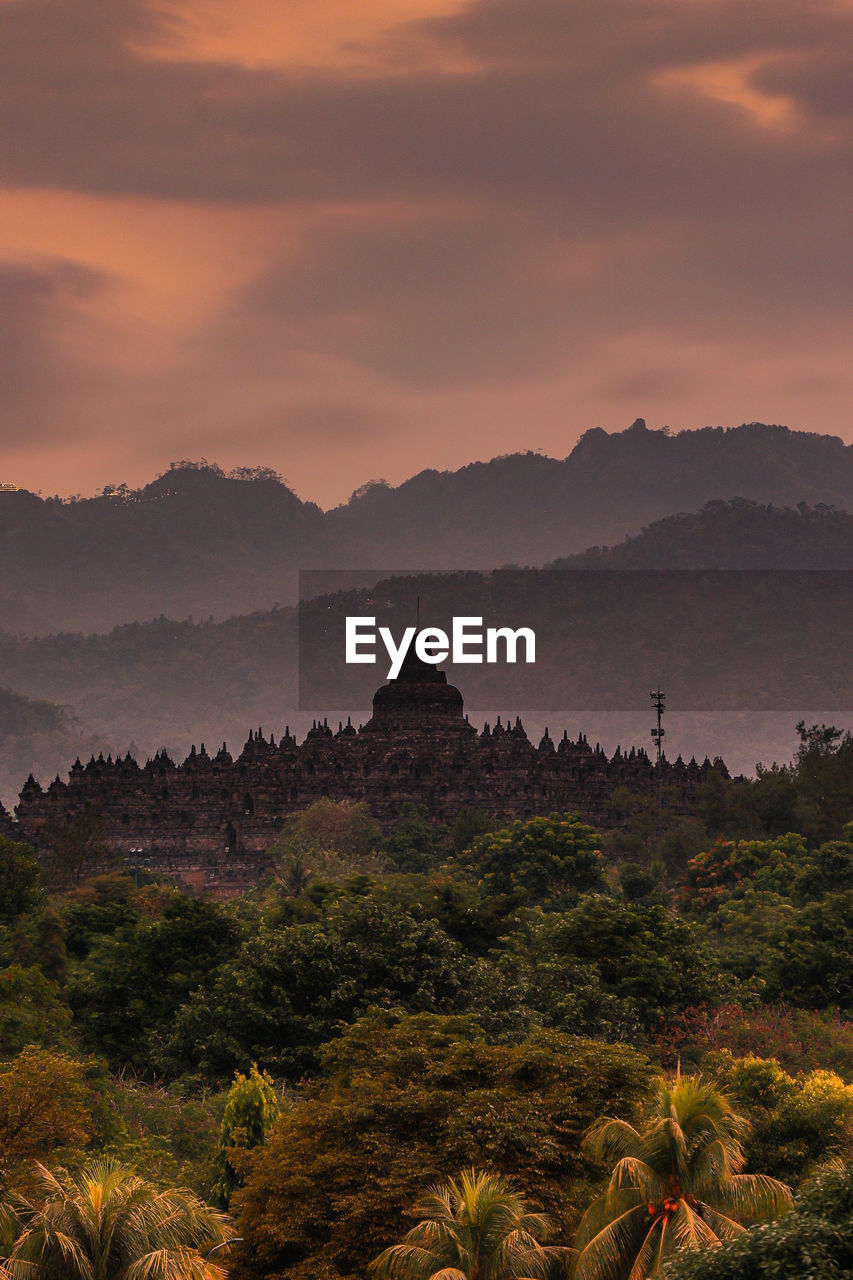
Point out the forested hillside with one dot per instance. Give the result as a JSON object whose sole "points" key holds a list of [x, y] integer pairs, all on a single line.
{"points": [[738, 534], [198, 543]]}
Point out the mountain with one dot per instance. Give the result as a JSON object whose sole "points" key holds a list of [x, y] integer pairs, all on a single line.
{"points": [[528, 509], [193, 542], [163, 682], [198, 543]]}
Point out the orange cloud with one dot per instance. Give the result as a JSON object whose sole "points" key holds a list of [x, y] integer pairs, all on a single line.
{"points": [[731, 81], [168, 265], [304, 35]]}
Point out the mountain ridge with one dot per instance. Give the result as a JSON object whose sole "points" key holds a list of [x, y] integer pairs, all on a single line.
{"points": [[198, 542]]}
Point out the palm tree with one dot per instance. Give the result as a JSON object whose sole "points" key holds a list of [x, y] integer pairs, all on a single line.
{"points": [[295, 876], [478, 1228], [109, 1224], [677, 1184]]}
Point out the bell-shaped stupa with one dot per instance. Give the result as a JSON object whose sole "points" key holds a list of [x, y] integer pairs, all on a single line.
{"points": [[419, 701]]}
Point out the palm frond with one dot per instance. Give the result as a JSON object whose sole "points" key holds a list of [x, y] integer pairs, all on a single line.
{"points": [[608, 1255], [646, 1253], [173, 1264], [19, 1269], [409, 1260], [610, 1139], [724, 1228], [108, 1221], [689, 1230], [474, 1224], [751, 1197], [603, 1210], [686, 1163], [631, 1171]]}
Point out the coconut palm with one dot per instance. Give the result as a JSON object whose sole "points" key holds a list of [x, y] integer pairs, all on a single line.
{"points": [[295, 876], [676, 1184], [109, 1224], [476, 1228]]}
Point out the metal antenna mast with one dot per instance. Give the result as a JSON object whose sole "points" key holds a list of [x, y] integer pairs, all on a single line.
{"points": [[658, 698]]}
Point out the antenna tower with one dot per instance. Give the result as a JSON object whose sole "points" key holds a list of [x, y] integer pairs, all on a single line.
{"points": [[658, 698]]}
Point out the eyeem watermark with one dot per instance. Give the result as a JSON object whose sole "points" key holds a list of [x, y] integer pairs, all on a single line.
{"points": [[717, 640], [465, 643]]}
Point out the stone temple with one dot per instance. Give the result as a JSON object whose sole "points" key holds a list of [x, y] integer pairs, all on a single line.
{"points": [[209, 821]]}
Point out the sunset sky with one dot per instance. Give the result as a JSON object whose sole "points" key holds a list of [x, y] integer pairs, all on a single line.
{"points": [[354, 238]]}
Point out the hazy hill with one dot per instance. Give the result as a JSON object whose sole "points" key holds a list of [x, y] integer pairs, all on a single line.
{"points": [[193, 542], [198, 543], [171, 683], [38, 737], [528, 509], [731, 535], [163, 682]]}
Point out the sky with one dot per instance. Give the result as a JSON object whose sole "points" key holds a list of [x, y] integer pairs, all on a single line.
{"points": [[350, 239]]}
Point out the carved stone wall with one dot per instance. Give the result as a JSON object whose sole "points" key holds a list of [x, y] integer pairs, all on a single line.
{"points": [[209, 821]]}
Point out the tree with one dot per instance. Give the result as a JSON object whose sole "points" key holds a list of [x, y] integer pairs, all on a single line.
{"points": [[50, 948], [250, 1113], [780, 911], [764, 806], [796, 1038], [796, 1122], [45, 1105], [469, 824], [331, 839], [546, 860], [126, 994], [642, 953], [404, 1099], [677, 1184], [166, 1134], [294, 877], [738, 869], [76, 845], [811, 963], [476, 1228], [110, 1224], [288, 991], [416, 844], [30, 1011], [105, 904], [823, 772], [20, 880]]}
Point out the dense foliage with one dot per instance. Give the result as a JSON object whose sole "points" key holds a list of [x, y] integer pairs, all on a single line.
{"points": [[542, 862], [402, 1101], [398, 1007]]}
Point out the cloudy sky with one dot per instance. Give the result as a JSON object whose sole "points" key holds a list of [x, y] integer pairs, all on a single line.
{"points": [[354, 238]]}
